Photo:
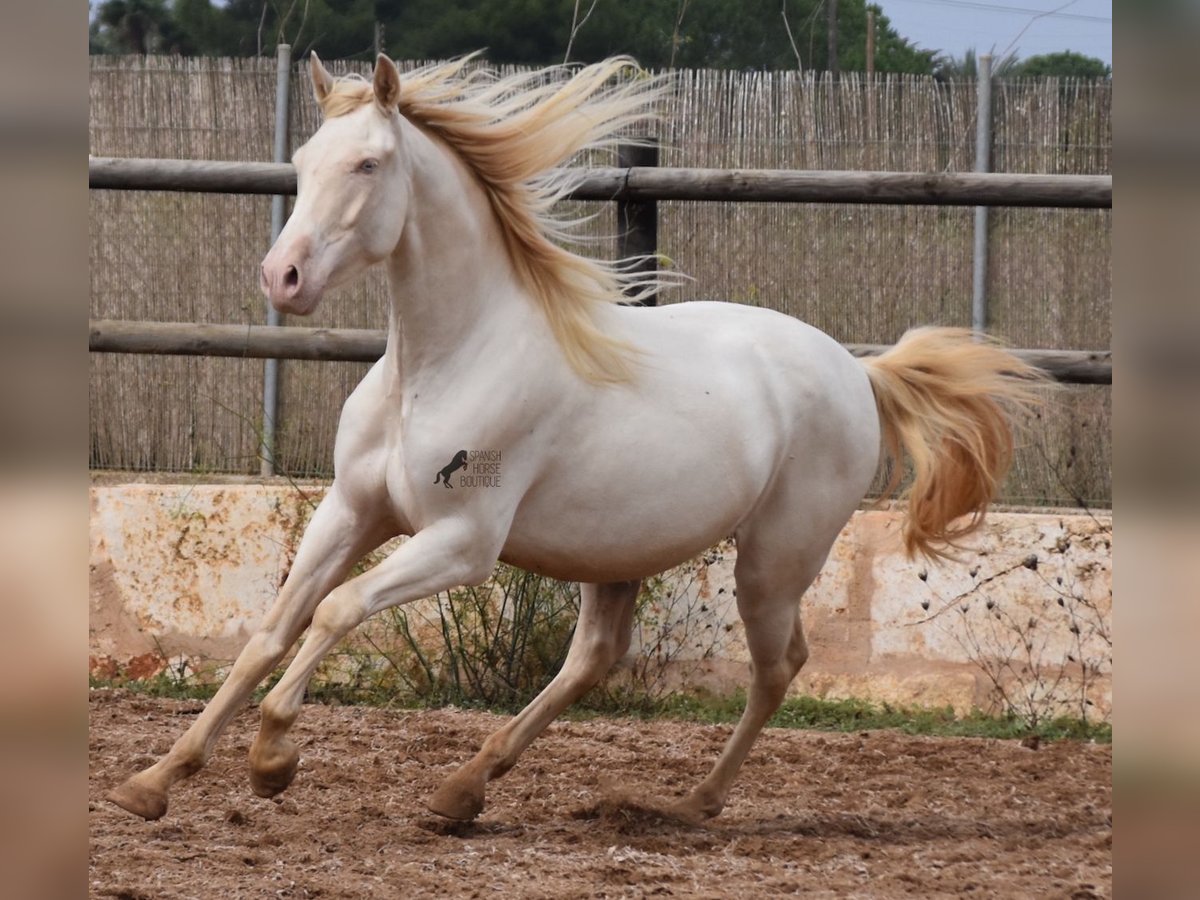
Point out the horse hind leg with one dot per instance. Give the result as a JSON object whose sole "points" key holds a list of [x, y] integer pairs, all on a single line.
{"points": [[602, 637], [769, 590]]}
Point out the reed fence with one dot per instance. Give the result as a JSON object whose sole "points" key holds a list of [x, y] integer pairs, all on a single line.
{"points": [[862, 273]]}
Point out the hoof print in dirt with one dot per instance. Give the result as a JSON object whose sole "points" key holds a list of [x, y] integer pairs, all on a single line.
{"points": [[628, 816], [449, 827]]}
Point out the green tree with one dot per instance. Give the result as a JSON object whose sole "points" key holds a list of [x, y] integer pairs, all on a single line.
{"points": [[1067, 64], [534, 32], [740, 34], [136, 26], [209, 28], [340, 29]]}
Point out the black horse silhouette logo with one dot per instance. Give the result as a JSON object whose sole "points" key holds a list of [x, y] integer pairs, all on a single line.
{"points": [[459, 462]]}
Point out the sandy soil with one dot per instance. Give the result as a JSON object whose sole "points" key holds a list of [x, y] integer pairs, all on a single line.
{"points": [[876, 814]]}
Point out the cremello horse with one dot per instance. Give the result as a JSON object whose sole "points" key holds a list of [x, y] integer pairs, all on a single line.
{"points": [[629, 439]]}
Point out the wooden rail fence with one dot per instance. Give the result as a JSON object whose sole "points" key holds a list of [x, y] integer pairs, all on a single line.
{"points": [[647, 183], [769, 149], [366, 345], [635, 188]]}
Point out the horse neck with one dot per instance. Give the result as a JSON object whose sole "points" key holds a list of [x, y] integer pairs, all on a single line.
{"points": [[453, 287]]}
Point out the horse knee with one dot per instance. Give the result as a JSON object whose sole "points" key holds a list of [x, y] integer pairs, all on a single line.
{"points": [[267, 644], [338, 613], [476, 571]]}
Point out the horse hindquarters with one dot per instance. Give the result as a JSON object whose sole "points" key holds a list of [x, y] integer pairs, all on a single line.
{"points": [[769, 587], [781, 548]]}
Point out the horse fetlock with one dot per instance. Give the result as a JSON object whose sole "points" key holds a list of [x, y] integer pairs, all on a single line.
{"points": [[187, 757], [494, 759], [699, 805], [190, 765], [501, 767], [278, 712], [273, 765]]}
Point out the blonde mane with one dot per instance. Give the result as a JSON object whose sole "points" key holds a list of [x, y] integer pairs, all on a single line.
{"points": [[513, 132]]}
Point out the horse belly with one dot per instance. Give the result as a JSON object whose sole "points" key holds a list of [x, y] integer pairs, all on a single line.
{"points": [[589, 555], [618, 511]]}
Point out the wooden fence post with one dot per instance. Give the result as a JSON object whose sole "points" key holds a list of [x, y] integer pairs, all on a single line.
{"points": [[637, 220]]}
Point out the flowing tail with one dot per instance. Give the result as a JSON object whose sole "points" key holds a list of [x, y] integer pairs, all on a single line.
{"points": [[947, 400]]}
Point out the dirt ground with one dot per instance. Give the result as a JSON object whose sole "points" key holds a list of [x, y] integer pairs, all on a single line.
{"points": [[876, 814]]}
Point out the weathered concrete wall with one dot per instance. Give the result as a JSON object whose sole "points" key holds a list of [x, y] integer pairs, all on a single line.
{"points": [[184, 572]]}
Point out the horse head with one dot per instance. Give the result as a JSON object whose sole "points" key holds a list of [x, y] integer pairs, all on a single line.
{"points": [[352, 190]]}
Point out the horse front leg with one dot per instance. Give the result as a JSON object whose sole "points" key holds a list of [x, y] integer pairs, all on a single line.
{"points": [[335, 539], [443, 556], [602, 637]]}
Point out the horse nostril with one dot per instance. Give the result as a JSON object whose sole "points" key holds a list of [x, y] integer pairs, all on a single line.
{"points": [[291, 277]]}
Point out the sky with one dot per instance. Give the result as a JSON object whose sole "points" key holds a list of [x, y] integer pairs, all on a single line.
{"points": [[953, 26]]}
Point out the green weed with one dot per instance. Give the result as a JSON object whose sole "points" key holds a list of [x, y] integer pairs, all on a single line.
{"points": [[805, 713]]}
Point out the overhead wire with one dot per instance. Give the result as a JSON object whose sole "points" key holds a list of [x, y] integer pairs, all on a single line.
{"points": [[1020, 10]]}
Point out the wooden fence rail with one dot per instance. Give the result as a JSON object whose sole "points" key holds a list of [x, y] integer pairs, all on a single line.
{"points": [[646, 183], [366, 345]]}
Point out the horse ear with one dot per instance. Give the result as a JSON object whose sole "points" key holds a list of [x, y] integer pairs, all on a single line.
{"points": [[322, 81], [387, 84]]}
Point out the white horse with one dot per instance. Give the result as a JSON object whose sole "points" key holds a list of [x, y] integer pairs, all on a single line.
{"points": [[621, 440]]}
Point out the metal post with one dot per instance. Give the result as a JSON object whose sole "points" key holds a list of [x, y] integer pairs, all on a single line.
{"points": [[834, 68], [872, 94], [283, 69], [870, 43], [638, 219], [983, 163]]}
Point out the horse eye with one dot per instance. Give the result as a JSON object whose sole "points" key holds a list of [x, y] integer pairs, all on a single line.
{"points": [[368, 165]]}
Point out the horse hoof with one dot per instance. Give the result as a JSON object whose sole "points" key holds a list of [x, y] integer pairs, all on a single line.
{"points": [[139, 799], [453, 802], [271, 775], [693, 810]]}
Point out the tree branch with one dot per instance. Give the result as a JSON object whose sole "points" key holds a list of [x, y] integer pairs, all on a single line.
{"points": [[791, 39], [683, 5], [577, 24]]}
